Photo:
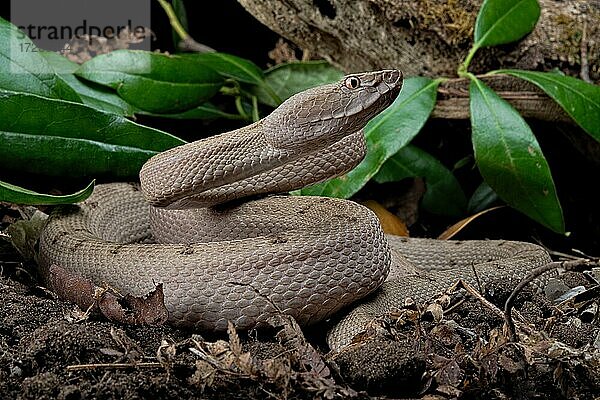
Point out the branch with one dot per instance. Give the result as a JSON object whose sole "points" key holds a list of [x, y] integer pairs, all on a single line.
{"points": [[528, 99]]}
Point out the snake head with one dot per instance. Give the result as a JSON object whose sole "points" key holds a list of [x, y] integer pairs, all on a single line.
{"points": [[321, 116]]}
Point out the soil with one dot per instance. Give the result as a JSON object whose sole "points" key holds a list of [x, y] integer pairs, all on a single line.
{"points": [[453, 347]]}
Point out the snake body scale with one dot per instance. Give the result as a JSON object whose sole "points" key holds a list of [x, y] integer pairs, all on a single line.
{"points": [[245, 261]]}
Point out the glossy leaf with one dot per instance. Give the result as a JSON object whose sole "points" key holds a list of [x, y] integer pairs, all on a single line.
{"points": [[154, 82], [510, 158], [385, 135], [239, 69], [23, 69], [483, 197], [579, 99], [444, 195], [230, 66], [91, 94], [60, 138], [18, 195], [205, 111], [288, 79], [505, 21]]}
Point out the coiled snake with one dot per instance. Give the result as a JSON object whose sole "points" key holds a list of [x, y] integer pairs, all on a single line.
{"points": [[309, 257]]}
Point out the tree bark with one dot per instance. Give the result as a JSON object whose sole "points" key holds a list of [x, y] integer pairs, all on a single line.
{"points": [[531, 102], [432, 37]]}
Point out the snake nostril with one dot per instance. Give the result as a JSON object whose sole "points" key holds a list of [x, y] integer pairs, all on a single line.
{"points": [[393, 76]]}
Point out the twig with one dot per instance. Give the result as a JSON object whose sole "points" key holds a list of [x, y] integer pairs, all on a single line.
{"points": [[475, 293], [80, 367], [479, 285], [187, 42], [454, 306], [561, 254], [570, 265]]}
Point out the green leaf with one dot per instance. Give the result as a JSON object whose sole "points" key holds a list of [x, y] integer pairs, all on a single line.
{"points": [[23, 69], [579, 99], [205, 111], [239, 69], [510, 158], [18, 195], [505, 21], [230, 66], [483, 197], [444, 195], [59, 138], [154, 82], [385, 135], [92, 94], [288, 79]]}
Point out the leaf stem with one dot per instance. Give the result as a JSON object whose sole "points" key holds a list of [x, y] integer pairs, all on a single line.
{"points": [[469, 75], [186, 39], [173, 19], [240, 108], [255, 116], [463, 69]]}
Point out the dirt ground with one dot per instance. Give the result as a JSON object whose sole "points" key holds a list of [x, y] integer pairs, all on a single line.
{"points": [[455, 347]]}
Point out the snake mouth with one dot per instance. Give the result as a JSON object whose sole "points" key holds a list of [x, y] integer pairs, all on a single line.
{"points": [[379, 93]]}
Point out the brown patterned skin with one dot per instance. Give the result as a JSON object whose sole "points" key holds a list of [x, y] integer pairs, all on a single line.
{"points": [[306, 256], [423, 269], [313, 136]]}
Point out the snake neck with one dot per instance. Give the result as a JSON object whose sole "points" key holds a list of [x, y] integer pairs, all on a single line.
{"points": [[312, 136]]}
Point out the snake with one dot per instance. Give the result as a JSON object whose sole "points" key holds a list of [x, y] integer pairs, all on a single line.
{"points": [[212, 222]]}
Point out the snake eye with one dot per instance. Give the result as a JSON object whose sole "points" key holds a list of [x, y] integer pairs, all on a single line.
{"points": [[352, 82]]}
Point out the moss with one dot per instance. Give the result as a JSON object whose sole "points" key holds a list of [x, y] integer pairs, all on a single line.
{"points": [[452, 20]]}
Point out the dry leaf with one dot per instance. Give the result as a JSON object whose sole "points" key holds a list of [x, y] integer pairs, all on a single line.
{"points": [[234, 340], [457, 227], [436, 312], [277, 370], [390, 223], [448, 371], [204, 376], [292, 338], [166, 353], [149, 309], [24, 234], [508, 364], [245, 363]]}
